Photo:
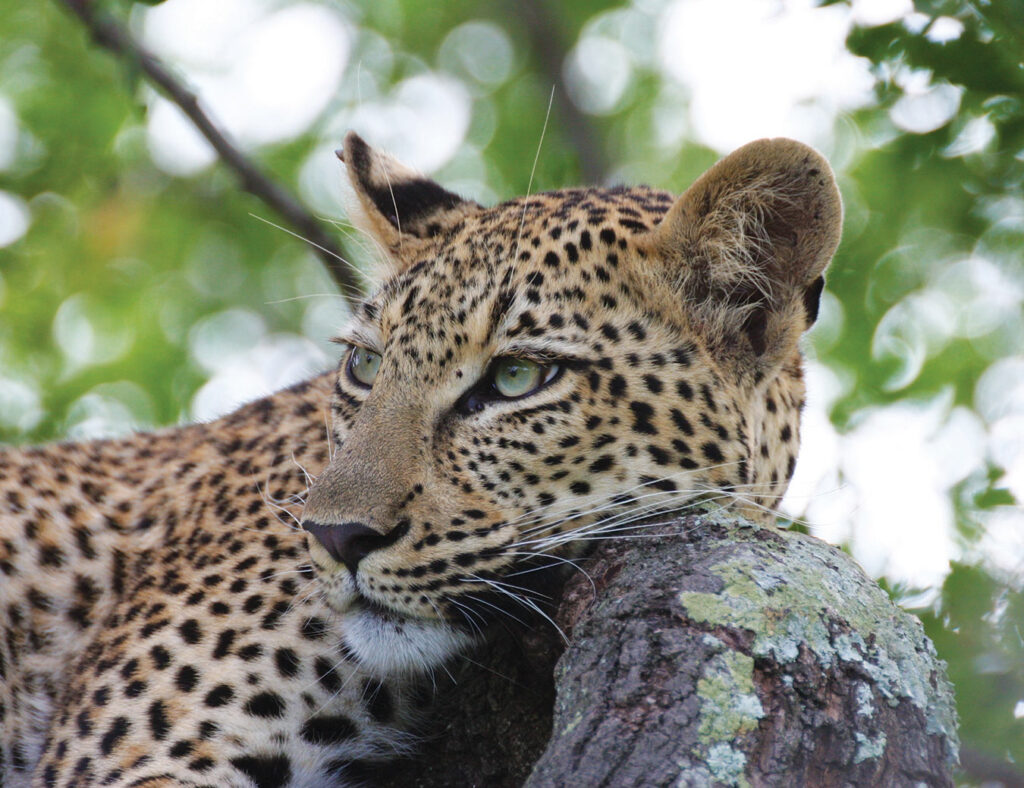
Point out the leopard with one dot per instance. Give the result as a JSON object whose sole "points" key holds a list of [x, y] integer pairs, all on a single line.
{"points": [[259, 600]]}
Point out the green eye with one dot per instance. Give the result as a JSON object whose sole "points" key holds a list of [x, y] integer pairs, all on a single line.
{"points": [[517, 377], [363, 365]]}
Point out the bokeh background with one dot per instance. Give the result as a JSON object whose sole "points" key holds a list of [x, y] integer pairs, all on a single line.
{"points": [[140, 286]]}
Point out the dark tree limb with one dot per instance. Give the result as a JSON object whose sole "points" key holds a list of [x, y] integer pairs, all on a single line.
{"points": [[719, 653], [548, 45], [110, 35]]}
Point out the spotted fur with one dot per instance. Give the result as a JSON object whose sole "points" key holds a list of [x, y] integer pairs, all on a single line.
{"points": [[166, 622]]}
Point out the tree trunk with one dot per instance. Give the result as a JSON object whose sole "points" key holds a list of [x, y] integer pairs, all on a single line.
{"points": [[717, 652]]}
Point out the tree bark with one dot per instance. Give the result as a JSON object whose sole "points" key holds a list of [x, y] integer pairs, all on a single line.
{"points": [[716, 652]]}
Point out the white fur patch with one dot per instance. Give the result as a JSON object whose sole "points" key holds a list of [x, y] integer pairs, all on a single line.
{"points": [[393, 647]]}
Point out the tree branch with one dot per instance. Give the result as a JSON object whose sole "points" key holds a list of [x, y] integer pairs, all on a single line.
{"points": [[107, 33], [549, 48], [717, 652]]}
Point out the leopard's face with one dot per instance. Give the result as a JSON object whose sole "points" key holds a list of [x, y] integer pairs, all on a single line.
{"points": [[527, 379]]}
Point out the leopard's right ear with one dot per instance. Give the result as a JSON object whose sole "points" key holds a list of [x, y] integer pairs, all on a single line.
{"points": [[394, 204]]}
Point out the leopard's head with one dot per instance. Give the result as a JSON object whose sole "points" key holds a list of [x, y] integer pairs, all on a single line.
{"points": [[529, 377]]}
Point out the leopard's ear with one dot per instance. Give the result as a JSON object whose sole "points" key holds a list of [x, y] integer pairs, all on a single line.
{"points": [[746, 246], [394, 204]]}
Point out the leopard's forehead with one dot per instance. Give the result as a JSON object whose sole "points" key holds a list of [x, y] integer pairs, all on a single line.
{"points": [[515, 264]]}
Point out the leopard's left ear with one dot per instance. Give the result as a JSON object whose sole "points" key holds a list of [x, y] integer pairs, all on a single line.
{"points": [[394, 204], [745, 248]]}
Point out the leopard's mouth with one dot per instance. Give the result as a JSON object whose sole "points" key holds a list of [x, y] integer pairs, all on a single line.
{"points": [[378, 610]]}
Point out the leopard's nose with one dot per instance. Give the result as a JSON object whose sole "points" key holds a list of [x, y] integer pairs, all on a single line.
{"points": [[347, 543]]}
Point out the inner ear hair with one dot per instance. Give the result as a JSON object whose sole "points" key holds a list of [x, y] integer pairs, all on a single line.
{"points": [[745, 247]]}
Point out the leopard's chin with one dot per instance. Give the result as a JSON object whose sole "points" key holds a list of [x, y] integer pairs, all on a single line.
{"points": [[388, 643]]}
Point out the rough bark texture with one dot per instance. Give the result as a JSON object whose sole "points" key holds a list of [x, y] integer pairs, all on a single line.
{"points": [[716, 653]]}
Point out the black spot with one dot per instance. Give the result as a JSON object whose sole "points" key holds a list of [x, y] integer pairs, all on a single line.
{"points": [[201, 765], [617, 386], [665, 485], [134, 689], [161, 657], [266, 705], [602, 463], [681, 356], [580, 488], [220, 695], [51, 555], [128, 668], [328, 729], [709, 399], [190, 631], [659, 455], [158, 722], [642, 413], [785, 434], [187, 678], [287, 662], [314, 629], [224, 641], [610, 332], [117, 731], [681, 422], [327, 675], [84, 723], [181, 748], [267, 771], [637, 331], [653, 383], [712, 452]]}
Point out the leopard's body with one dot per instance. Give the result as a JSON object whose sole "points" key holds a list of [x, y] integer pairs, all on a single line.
{"points": [[163, 624]]}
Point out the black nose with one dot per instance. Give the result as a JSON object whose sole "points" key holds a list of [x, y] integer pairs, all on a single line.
{"points": [[347, 543]]}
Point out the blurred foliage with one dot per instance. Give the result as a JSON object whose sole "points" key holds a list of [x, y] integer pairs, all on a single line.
{"points": [[122, 264]]}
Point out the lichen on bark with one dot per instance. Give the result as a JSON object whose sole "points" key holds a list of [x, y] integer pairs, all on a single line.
{"points": [[794, 594]]}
